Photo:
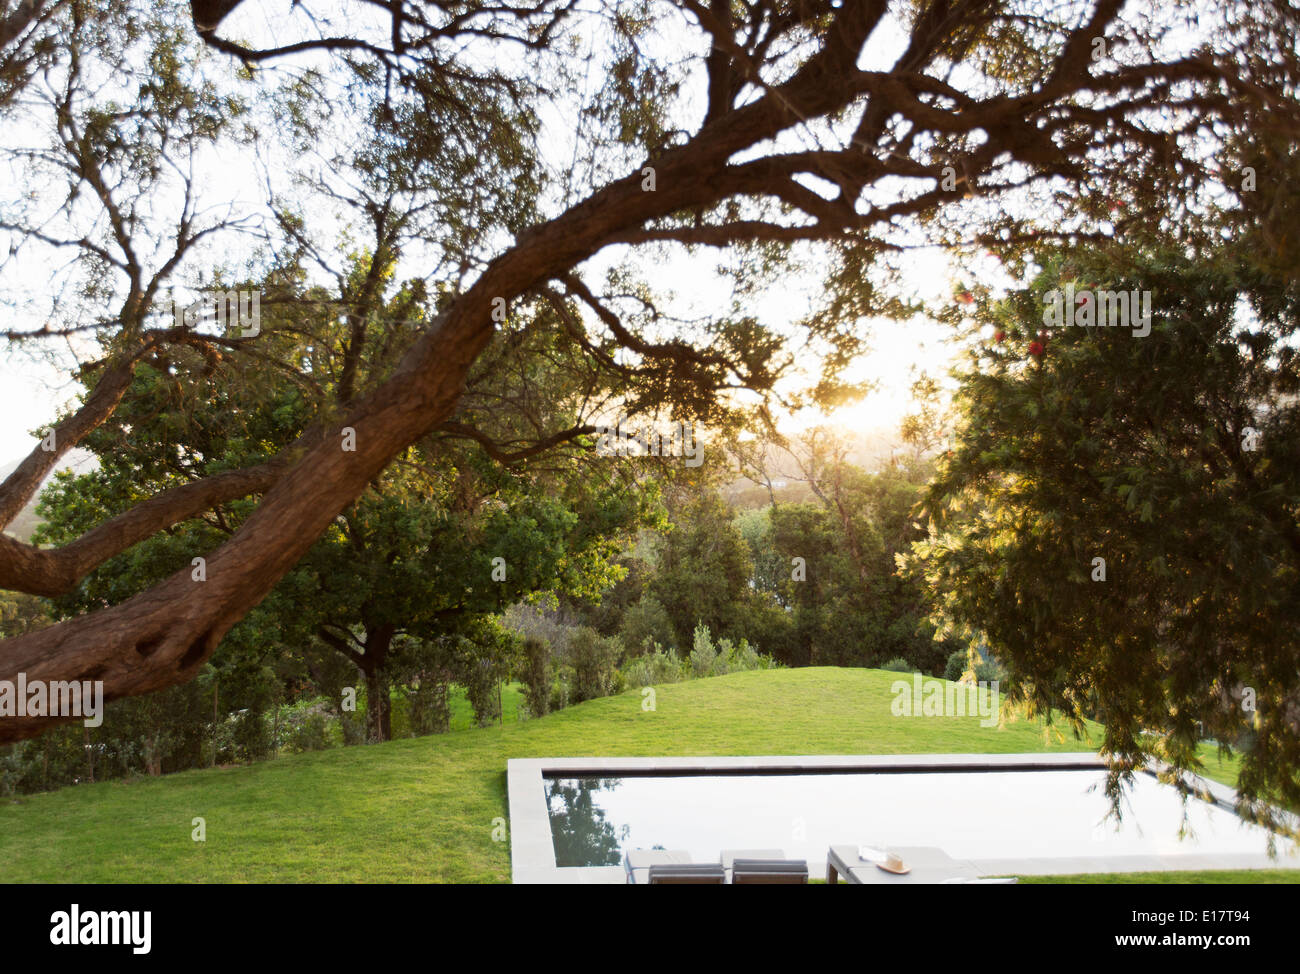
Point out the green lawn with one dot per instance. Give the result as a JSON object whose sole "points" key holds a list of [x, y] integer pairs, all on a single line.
{"points": [[421, 810]]}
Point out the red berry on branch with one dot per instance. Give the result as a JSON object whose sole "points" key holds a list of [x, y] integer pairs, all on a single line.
{"points": [[1036, 349]]}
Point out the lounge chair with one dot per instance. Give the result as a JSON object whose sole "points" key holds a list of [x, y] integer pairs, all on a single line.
{"points": [[637, 863], [687, 874], [745, 872]]}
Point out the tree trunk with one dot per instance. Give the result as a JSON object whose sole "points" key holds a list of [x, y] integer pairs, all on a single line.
{"points": [[379, 710], [216, 682], [153, 755]]}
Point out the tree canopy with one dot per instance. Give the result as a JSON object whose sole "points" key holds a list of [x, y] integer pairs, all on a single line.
{"points": [[1118, 516], [838, 132]]}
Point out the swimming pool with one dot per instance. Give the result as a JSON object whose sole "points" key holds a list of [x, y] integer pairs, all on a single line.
{"points": [[1003, 813]]}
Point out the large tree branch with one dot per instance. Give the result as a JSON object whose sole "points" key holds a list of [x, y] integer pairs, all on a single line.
{"points": [[56, 571], [502, 452], [23, 482]]}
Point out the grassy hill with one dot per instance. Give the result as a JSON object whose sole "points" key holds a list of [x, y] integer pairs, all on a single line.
{"points": [[421, 810]]}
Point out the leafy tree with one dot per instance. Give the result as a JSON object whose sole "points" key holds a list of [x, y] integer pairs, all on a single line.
{"points": [[828, 569], [647, 625], [702, 569], [981, 124], [1109, 522], [439, 541]]}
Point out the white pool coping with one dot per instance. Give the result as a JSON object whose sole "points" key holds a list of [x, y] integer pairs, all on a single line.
{"points": [[532, 852]]}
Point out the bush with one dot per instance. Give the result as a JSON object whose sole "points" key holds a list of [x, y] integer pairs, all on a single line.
{"points": [[537, 676], [898, 665], [703, 653], [653, 668], [352, 725], [593, 664], [430, 713], [773, 628], [482, 687], [741, 657], [956, 665], [484, 657], [306, 728], [561, 694], [646, 624], [251, 734]]}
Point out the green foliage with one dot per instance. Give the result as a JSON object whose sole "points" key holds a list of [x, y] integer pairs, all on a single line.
{"points": [[898, 665], [484, 660], [703, 570], [956, 665], [991, 671], [704, 655], [22, 613], [415, 569], [429, 709], [591, 666], [304, 726], [646, 624], [851, 607], [537, 675], [1133, 450], [770, 569], [708, 658], [653, 668]]}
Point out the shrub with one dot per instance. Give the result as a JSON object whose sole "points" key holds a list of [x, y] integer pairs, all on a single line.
{"points": [[484, 656], [252, 736], [352, 725], [741, 657], [653, 668], [561, 694], [898, 665], [537, 676], [307, 729], [703, 653], [430, 713], [955, 666], [483, 690], [593, 663], [646, 624], [773, 628]]}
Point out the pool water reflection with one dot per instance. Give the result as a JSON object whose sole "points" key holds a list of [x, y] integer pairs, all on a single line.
{"points": [[970, 815]]}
